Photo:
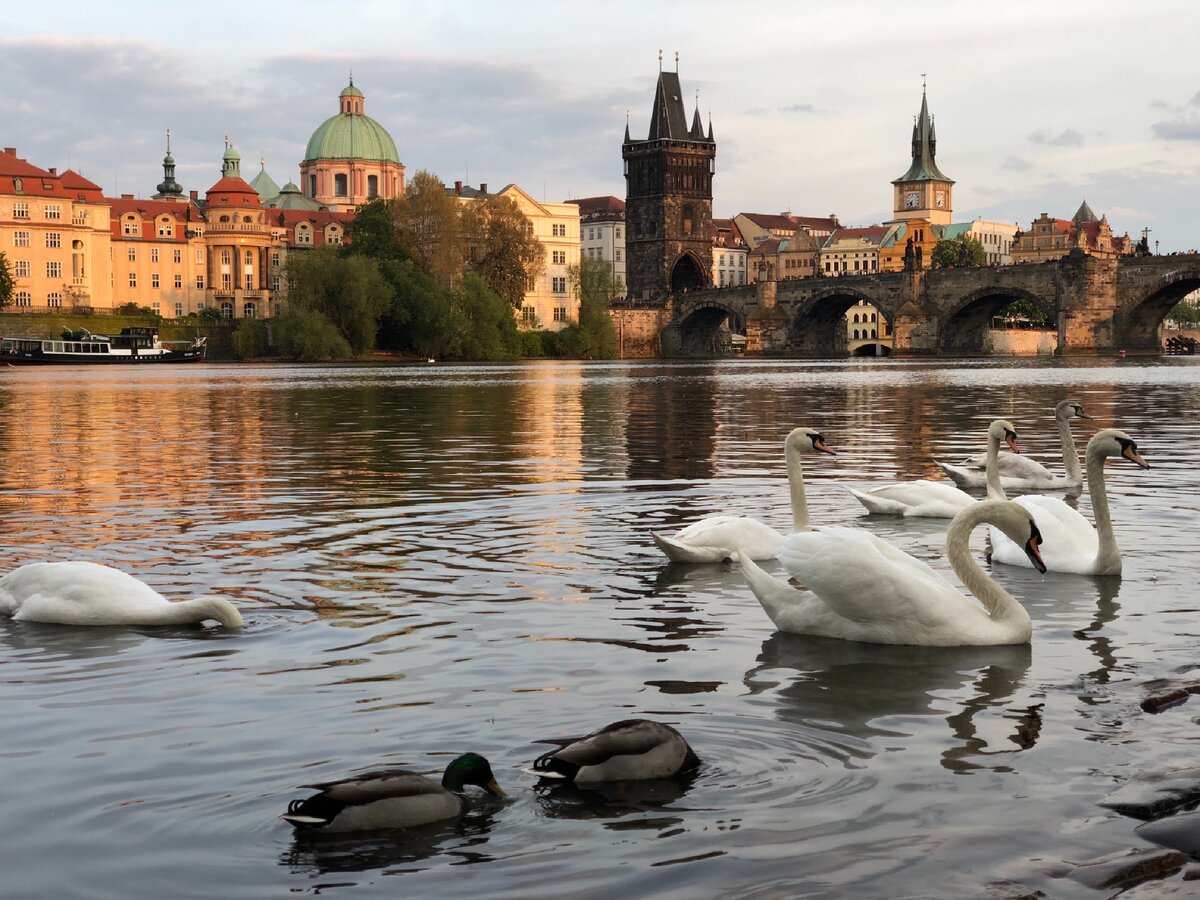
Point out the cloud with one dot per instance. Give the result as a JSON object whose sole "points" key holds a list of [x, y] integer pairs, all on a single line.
{"points": [[1067, 138], [1016, 164], [1178, 129], [799, 108]]}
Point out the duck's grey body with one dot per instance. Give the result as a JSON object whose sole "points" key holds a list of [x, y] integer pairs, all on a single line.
{"points": [[630, 750], [392, 798]]}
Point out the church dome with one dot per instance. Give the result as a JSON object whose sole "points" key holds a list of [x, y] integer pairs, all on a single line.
{"points": [[351, 134]]}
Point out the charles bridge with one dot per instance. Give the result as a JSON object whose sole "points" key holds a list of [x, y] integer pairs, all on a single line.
{"points": [[1098, 306]]}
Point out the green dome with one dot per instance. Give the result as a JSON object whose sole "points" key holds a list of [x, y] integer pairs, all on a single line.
{"points": [[346, 136], [350, 91]]}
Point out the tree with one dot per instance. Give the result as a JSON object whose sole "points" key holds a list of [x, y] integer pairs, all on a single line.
{"points": [[418, 320], [7, 284], [304, 334], [958, 253], [375, 231], [1025, 310], [593, 336], [503, 248], [429, 225], [482, 323], [348, 291]]}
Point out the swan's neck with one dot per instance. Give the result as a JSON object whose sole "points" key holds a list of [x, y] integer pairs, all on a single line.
{"points": [[999, 603], [995, 490], [190, 612], [1108, 557], [795, 470], [1070, 452]]}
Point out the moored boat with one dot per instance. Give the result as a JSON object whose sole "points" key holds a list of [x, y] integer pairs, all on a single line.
{"points": [[137, 344]]}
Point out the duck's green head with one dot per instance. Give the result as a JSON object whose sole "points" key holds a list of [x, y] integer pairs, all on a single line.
{"points": [[471, 768]]}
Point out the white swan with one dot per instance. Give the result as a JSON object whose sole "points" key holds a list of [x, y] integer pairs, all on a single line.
{"points": [[864, 589], [716, 538], [84, 593], [1020, 473], [1072, 544], [934, 499]]}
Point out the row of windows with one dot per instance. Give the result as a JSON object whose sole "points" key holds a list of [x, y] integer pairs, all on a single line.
{"points": [[50, 210], [864, 317], [24, 298], [25, 239], [598, 253], [868, 265], [735, 259], [558, 230], [864, 334], [529, 315], [594, 233]]}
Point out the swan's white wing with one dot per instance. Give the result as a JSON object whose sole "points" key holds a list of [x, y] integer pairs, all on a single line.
{"points": [[717, 537], [1068, 539], [865, 579], [915, 498], [75, 593]]}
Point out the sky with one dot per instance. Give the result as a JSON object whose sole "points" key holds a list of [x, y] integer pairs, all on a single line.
{"points": [[1039, 106]]}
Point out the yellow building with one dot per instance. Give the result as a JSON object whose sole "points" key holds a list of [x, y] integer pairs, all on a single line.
{"points": [[54, 233]]}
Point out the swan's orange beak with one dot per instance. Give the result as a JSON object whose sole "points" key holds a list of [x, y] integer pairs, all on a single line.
{"points": [[1131, 454], [1032, 550], [1010, 438], [821, 447]]}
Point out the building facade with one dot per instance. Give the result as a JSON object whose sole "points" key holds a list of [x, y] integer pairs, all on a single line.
{"points": [[1049, 238], [668, 198], [729, 254], [602, 235]]}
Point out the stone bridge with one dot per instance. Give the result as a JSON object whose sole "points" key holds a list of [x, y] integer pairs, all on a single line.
{"points": [[1097, 305]]}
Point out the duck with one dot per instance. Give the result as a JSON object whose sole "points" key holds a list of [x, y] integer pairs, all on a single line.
{"points": [[391, 798], [1072, 544], [714, 539], [865, 589], [1020, 473], [629, 750], [75, 592], [935, 499]]}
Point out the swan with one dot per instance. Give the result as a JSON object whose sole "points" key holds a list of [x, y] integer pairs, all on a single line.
{"points": [[1073, 545], [630, 750], [934, 499], [391, 798], [85, 593], [865, 589], [715, 538], [1020, 473]]}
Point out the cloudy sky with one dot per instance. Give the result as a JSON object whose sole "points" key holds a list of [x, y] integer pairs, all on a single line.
{"points": [[1039, 105]]}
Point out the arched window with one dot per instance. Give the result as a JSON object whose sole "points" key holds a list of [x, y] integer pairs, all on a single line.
{"points": [[339, 185], [856, 318], [873, 333], [227, 310], [249, 257], [688, 218], [248, 311], [372, 185], [874, 316], [856, 334]]}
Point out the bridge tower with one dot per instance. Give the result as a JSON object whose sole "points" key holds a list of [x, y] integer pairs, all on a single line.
{"points": [[923, 193], [668, 197]]}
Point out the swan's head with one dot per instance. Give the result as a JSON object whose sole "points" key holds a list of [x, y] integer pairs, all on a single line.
{"points": [[1114, 442], [1067, 408], [807, 440], [1017, 522], [220, 609], [1005, 432]]}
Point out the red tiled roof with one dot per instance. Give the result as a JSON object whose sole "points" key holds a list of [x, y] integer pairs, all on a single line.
{"points": [[11, 164], [232, 191]]}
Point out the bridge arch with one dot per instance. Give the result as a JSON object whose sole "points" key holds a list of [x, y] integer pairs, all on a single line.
{"points": [[687, 273], [1142, 313], [818, 324], [699, 326], [962, 326]]}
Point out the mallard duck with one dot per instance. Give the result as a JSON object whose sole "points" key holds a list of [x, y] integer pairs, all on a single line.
{"points": [[391, 798], [630, 750]]}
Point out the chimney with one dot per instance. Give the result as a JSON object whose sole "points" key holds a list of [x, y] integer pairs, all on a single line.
{"points": [[193, 195], [10, 151], [483, 187], [127, 196], [458, 188], [53, 171]]}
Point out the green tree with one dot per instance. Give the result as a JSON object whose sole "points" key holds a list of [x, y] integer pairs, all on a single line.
{"points": [[375, 231], [418, 320], [429, 224], [348, 291], [7, 284], [1185, 313], [1025, 309], [250, 340], [503, 248], [593, 336], [304, 334], [482, 324], [958, 253]]}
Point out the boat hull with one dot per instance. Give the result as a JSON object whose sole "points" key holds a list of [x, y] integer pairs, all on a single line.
{"points": [[100, 359]]}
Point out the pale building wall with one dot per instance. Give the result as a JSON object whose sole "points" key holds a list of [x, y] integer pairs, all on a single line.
{"points": [[729, 265], [996, 238], [57, 249], [550, 302], [605, 239]]}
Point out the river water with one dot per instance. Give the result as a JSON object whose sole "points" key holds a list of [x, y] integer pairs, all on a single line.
{"points": [[439, 559]]}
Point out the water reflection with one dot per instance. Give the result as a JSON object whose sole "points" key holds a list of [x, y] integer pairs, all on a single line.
{"points": [[652, 801]]}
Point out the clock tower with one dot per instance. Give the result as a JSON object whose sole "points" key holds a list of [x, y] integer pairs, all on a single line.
{"points": [[923, 192]]}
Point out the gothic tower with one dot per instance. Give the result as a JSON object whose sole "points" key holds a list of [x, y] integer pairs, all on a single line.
{"points": [[923, 192], [668, 198]]}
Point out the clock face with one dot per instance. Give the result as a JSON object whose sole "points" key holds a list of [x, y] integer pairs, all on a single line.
{"points": [[940, 199], [911, 199]]}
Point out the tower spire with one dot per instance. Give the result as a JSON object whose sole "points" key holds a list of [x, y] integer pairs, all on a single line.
{"points": [[170, 188]]}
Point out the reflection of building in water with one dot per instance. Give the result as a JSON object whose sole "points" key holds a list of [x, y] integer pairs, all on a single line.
{"points": [[671, 426]]}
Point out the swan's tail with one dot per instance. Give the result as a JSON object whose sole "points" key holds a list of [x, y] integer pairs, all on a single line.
{"points": [[957, 474], [773, 595], [677, 551]]}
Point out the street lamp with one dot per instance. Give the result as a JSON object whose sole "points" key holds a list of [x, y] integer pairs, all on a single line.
{"points": [[1156, 248]]}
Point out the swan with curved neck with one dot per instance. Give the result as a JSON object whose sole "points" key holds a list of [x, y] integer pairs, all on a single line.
{"points": [[865, 589], [1073, 545], [1020, 473], [85, 593], [717, 538], [933, 499]]}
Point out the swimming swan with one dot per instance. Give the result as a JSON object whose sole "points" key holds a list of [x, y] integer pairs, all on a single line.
{"points": [[934, 499], [1072, 544], [716, 538], [85, 593], [864, 589], [630, 750], [391, 798], [1020, 473]]}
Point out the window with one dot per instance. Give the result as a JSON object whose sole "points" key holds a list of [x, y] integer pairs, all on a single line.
{"points": [[178, 282], [132, 254], [303, 235], [618, 232], [179, 310], [153, 254], [166, 228], [129, 226], [54, 298], [249, 281], [227, 310], [528, 315], [21, 210], [18, 184], [333, 236], [200, 283], [249, 257], [200, 257], [177, 256], [53, 211], [372, 185], [559, 257], [24, 298], [558, 230], [558, 285], [275, 283], [54, 270], [53, 239], [157, 307], [248, 311], [312, 185], [22, 268], [560, 314], [227, 284], [275, 258], [133, 279], [153, 279], [339, 186], [617, 255], [21, 238]]}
